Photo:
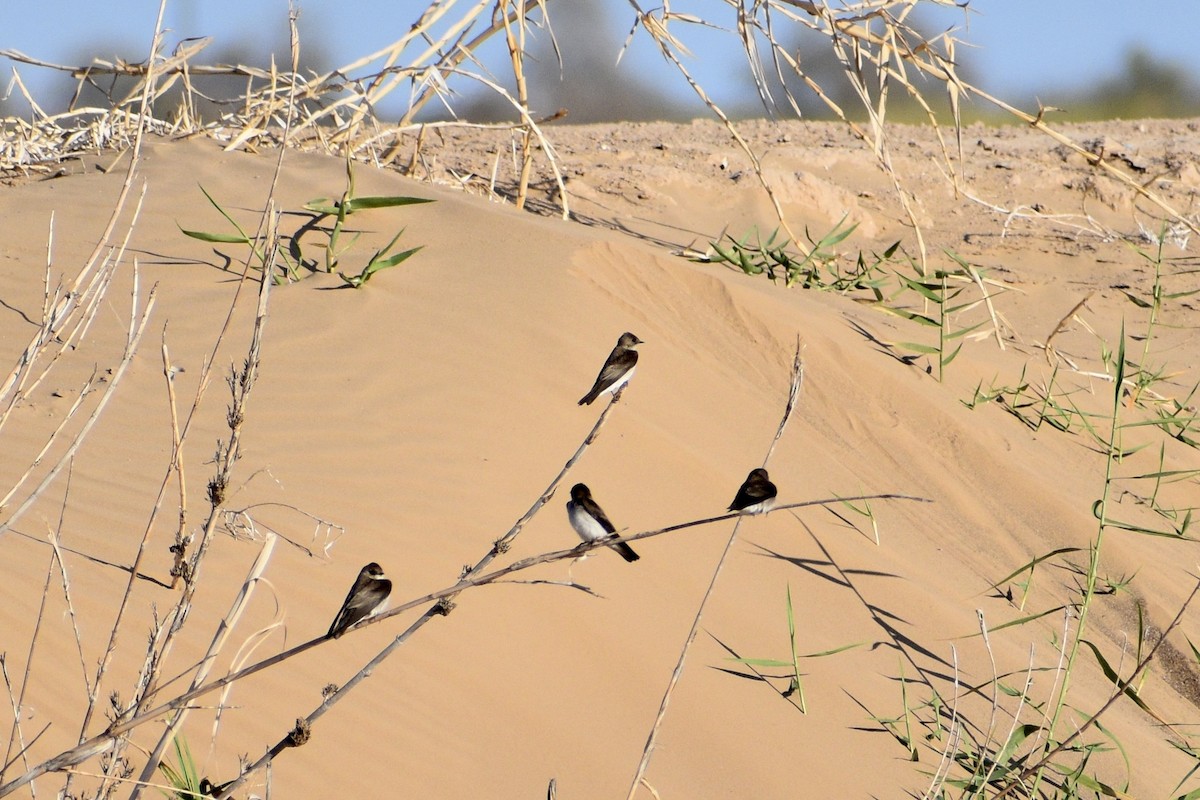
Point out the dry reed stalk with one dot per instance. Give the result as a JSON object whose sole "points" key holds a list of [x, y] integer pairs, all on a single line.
{"points": [[56, 318], [543, 142], [797, 380], [950, 751], [443, 605], [241, 385], [145, 99], [18, 702], [1023, 698], [1050, 352], [176, 464], [16, 709], [455, 56], [56, 546], [220, 639], [516, 53], [137, 327], [36, 461], [102, 742], [667, 45], [851, 54]]}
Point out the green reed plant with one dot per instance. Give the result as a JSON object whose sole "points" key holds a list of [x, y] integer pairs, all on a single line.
{"points": [[1053, 749], [1144, 376], [939, 292], [328, 218], [795, 690], [818, 266], [182, 775]]}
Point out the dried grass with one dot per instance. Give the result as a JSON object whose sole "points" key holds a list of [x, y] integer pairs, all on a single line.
{"points": [[335, 112]]}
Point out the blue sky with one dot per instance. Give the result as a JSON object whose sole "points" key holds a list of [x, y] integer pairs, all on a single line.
{"points": [[1022, 48]]}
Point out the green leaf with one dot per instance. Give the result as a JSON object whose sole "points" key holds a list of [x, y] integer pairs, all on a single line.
{"points": [[346, 207], [946, 359], [391, 261], [912, 315], [928, 290], [964, 331], [364, 203], [762, 662], [1161, 421], [1013, 622], [219, 238], [1137, 301], [323, 205], [835, 650], [917, 348], [1195, 652], [1170, 473], [1031, 564], [1112, 675]]}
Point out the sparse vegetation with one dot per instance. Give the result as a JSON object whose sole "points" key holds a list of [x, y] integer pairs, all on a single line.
{"points": [[285, 260], [1006, 735]]}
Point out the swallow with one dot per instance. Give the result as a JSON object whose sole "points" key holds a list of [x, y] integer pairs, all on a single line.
{"points": [[617, 370], [368, 595], [756, 495], [591, 523]]}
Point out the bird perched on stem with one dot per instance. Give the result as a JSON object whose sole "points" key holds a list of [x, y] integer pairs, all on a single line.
{"points": [[591, 523], [756, 495], [617, 370], [368, 595]]}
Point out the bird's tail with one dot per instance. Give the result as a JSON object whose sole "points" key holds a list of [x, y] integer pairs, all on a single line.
{"points": [[626, 551]]}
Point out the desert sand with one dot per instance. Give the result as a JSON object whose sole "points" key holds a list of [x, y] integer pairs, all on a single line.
{"points": [[413, 421]]}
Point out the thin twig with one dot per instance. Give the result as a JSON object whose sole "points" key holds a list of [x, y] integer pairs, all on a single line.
{"points": [[176, 466], [444, 603], [241, 385], [104, 741], [793, 393]]}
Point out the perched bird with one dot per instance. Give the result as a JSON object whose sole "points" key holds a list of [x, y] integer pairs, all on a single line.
{"points": [[617, 370], [368, 595], [590, 522], [756, 495]]}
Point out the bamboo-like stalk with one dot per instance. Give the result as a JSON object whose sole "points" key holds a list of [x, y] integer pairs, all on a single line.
{"points": [[797, 381], [103, 741], [441, 607], [176, 465], [219, 640], [516, 53]]}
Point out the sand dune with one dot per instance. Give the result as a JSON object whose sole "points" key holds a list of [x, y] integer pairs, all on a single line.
{"points": [[423, 414]]}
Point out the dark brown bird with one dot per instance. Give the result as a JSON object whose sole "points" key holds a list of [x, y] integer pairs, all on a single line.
{"points": [[756, 494], [617, 370], [591, 523], [368, 595]]}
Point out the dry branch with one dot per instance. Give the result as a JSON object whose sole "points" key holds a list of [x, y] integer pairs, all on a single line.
{"points": [[797, 380]]}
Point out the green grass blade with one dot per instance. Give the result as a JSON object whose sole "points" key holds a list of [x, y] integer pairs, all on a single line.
{"points": [[917, 348], [390, 261], [1013, 622], [217, 238], [364, 203], [1031, 564], [1112, 675]]}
